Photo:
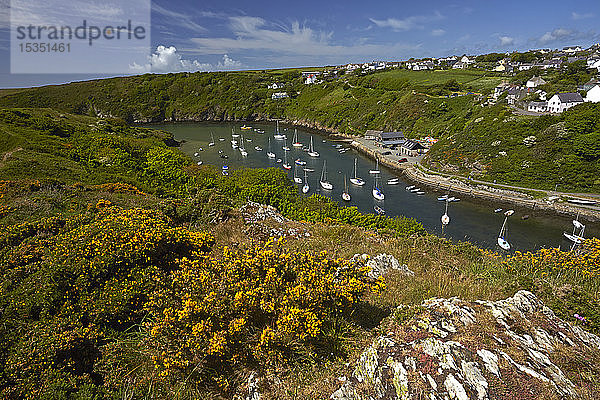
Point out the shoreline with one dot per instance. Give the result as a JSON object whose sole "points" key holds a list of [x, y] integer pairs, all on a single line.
{"points": [[435, 182], [442, 184]]}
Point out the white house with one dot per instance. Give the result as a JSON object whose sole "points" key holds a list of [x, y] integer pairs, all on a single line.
{"points": [[593, 95], [279, 95], [276, 86], [538, 106], [572, 49], [535, 82], [459, 65], [466, 60], [563, 101]]}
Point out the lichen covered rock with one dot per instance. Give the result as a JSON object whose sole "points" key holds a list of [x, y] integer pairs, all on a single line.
{"points": [[456, 350]]}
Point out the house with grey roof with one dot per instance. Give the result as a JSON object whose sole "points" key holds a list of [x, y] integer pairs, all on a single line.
{"points": [[390, 138], [563, 101], [538, 106]]}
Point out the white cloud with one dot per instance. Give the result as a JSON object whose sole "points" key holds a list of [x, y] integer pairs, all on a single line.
{"points": [[292, 44], [408, 23], [228, 63], [180, 19], [166, 59], [507, 41], [565, 35], [577, 16], [438, 32]]}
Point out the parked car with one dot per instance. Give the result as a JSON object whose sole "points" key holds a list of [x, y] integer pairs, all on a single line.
{"points": [[386, 153], [402, 160]]}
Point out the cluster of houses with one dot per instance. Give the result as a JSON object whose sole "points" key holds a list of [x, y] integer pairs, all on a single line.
{"points": [[397, 141], [556, 104], [514, 93]]}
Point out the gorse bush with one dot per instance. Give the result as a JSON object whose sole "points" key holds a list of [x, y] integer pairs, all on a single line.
{"points": [[259, 307], [68, 285]]}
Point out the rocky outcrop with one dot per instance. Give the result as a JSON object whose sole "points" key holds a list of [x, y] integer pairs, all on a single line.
{"points": [[265, 220], [452, 349], [381, 264]]}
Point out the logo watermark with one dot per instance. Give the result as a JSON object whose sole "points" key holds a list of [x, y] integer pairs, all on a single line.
{"points": [[80, 36]]}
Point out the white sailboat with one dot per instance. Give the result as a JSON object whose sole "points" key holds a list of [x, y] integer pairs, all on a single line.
{"points": [[233, 134], [376, 170], [325, 184], [277, 135], [212, 140], [295, 141], [243, 151], [285, 146], [285, 164], [445, 217], [345, 194], [356, 180], [377, 193], [297, 179], [311, 150], [502, 242], [576, 237], [270, 154], [306, 187]]}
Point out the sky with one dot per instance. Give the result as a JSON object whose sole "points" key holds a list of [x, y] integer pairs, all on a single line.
{"points": [[214, 35]]}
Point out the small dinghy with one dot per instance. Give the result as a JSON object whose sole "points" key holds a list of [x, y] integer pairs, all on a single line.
{"points": [[410, 187], [300, 162], [443, 198], [393, 181], [497, 210], [257, 148], [379, 210], [199, 163]]}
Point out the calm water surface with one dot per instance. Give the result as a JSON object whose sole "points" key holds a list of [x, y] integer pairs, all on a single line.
{"points": [[471, 220]]}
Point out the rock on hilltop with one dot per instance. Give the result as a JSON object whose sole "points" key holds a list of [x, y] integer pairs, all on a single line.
{"points": [[452, 349]]}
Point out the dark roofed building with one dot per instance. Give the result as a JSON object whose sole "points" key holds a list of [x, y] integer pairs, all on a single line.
{"points": [[412, 148], [390, 138]]}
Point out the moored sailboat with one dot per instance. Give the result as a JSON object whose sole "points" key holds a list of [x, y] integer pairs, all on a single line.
{"points": [[306, 187], [270, 154], [325, 184], [502, 242], [356, 180], [345, 194], [377, 193], [295, 141], [311, 150]]}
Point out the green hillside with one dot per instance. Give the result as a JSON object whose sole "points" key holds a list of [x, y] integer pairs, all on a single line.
{"points": [[128, 272], [447, 104]]}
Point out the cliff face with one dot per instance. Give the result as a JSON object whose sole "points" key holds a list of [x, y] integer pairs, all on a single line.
{"points": [[452, 349]]}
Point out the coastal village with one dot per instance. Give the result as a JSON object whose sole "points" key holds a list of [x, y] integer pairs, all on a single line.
{"points": [[530, 96]]}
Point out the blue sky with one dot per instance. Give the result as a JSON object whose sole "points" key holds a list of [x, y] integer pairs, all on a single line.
{"points": [[228, 34]]}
